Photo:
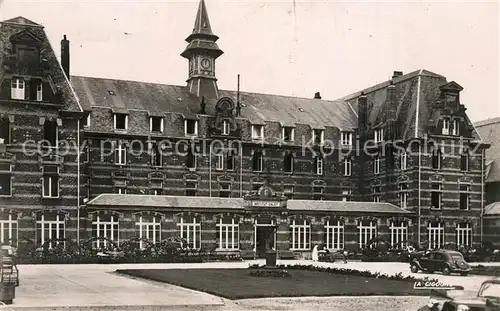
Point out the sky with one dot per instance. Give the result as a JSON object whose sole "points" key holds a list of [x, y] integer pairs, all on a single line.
{"points": [[289, 47]]}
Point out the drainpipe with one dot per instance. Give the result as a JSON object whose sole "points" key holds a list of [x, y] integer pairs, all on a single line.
{"points": [[241, 169], [210, 172], [482, 195], [78, 182], [419, 192]]}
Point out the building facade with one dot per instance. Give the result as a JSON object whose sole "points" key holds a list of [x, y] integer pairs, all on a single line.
{"points": [[230, 170]]}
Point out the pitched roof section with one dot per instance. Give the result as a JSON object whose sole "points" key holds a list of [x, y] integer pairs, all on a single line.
{"points": [[202, 22], [19, 25], [492, 209], [180, 202], [490, 133], [258, 108]]}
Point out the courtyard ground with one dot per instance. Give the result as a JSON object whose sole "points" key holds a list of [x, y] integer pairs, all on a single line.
{"points": [[97, 287]]}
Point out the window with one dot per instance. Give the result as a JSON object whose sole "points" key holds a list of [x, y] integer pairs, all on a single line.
{"points": [[157, 191], [227, 234], [403, 195], [464, 197], [464, 161], [318, 192], [156, 124], [445, 130], [191, 188], [288, 191], [376, 194], [435, 233], [226, 127], [399, 234], [288, 163], [403, 160], [107, 227], [5, 133], [300, 231], [5, 179], [50, 134], [376, 165], [318, 136], [257, 132], [190, 230], [39, 90], [436, 159], [229, 160], [319, 165], [50, 227], [191, 160], [436, 196], [257, 161], [367, 231], [455, 130], [191, 127], [17, 89], [155, 154], [347, 166], [379, 135], [8, 229], [288, 134], [219, 164], [50, 183], [346, 195], [149, 229], [121, 154], [464, 234], [334, 235], [121, 121], [225, 190], [346, 139], [121, 190]]}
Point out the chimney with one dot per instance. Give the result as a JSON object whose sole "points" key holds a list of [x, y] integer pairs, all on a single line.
{"points": [[362, 112], [396, 74], [317, 95], [391, 94], [65, 56]]}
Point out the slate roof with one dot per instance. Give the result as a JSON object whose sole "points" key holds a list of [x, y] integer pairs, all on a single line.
{"points": [[490, 133], [111, 200], [20, 24], [492, 209], [258, 108]]}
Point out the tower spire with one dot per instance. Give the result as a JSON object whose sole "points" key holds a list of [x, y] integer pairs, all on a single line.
{"points": [[202, 51]]}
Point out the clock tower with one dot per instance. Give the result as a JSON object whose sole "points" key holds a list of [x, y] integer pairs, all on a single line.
{"points": [[202, 51]]}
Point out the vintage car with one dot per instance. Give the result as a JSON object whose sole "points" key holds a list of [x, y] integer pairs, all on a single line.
{"points": [[445, 261], [486, 299]]}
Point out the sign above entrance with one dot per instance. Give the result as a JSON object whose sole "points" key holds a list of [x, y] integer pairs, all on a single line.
{"points": [[265, 197], [266, 203]]}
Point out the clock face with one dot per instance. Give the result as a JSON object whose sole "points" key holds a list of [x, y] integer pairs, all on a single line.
{"points": [[205, 63]]}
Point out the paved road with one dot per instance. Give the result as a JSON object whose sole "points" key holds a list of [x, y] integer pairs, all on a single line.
{"points": [[97, 285]]}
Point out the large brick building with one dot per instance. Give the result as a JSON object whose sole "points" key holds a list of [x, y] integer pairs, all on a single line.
{"points": [[230, 170]]}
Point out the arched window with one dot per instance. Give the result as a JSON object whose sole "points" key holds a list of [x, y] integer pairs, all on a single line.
{"points": [[149, 227], [435, 231], [50, 226], [334, 230], [227, 233], [105, 226], [190, 230], [464, 234], [367, 231], [399, 234], [300, 231]]}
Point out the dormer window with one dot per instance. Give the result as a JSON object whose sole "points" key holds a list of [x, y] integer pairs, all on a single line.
{"points": [[288, 134], [226, 127], [191, 127], [379, 135], [346, 138], [17, 89], [318, 136], [455, 130], [446, 127], [257, 131], [120, 121], [156, 124]]}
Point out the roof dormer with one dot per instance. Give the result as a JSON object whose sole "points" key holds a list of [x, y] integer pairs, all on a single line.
{"points": [[450, 99], [24, 58]]}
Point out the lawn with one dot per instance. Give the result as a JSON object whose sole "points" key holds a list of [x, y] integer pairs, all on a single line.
{"points": [[238, 284], [486, 270]]}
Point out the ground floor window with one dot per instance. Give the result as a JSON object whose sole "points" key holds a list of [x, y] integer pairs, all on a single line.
{"points": [[50, 227], [190, 230], [107, 227], [436, 235], [8, 229], [334, 235], [300, 231], [227, 234], [149, 229], [367, 231], [399, 234], [464, 234]]}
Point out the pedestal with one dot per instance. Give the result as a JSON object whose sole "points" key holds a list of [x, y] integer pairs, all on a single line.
{"points": [[271, 259], [7, 292]]}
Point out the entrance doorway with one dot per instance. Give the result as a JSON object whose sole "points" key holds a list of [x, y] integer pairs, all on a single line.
{"points": [[265, 239]]}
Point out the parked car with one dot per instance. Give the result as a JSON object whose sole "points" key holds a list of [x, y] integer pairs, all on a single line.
{"points": [[445, 261], [486, 299]]}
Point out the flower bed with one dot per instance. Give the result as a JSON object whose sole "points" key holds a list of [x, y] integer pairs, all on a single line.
{"points": [[275, 273]]}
